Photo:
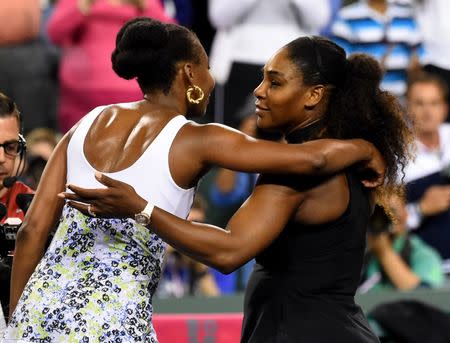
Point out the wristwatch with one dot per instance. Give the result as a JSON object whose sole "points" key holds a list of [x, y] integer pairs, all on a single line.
{"points": [[144, 217]]}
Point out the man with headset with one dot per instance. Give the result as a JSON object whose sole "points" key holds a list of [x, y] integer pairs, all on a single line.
{"points": [[12, 153]]}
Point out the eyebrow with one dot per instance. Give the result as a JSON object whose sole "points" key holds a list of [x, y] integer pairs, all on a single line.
{"points": [[272, 72], [11, 141]]}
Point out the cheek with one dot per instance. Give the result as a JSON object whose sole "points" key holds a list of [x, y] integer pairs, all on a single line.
{"points": [[286, 109]]}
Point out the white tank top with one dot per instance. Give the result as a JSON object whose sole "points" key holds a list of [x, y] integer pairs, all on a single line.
{"points": [[150, 175]]}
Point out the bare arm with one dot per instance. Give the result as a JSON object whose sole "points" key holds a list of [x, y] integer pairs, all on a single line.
{"points": [[39, 220], [398, 272], [214, 144], [254, 226]]}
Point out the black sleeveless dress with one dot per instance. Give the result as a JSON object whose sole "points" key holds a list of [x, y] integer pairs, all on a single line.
{"points": [[303, 285]]}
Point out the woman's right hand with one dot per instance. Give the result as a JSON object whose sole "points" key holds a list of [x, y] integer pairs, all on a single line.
{"points": [[117, 200]]}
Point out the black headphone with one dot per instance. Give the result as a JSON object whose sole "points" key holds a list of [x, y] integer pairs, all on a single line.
{"points": [[22, 146]]}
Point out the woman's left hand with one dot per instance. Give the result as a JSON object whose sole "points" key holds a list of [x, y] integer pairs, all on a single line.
{"points": [[117, 200]]}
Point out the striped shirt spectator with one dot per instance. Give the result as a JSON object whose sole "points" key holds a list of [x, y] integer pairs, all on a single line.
{"points": [[392, 37]]}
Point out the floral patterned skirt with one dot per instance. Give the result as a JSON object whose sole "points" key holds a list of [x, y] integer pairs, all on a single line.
{"points": [[94, 284]]}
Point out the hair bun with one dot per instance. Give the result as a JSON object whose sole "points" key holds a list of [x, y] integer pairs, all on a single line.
{"points": [[136, 43], [364, 67]]}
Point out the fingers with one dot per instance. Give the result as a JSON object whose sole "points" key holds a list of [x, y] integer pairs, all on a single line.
{"points": [[73, 197], [83, 208], [105, 180], [85, 193]]}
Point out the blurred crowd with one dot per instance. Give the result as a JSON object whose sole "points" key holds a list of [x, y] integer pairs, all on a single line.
{"points": [[55, 64]]}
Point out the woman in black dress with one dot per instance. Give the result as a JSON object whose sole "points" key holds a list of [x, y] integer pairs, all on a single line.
{"points": [[307, 234]]}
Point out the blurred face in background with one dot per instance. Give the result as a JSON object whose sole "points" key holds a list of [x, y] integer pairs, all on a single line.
{"points": [[9, 133], [426, 106]]}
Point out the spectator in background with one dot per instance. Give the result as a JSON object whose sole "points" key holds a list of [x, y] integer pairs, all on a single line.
{"points": [[183, 276], [25, 62], [41, 142], [335, 6], [249, 31], [385, 31], [181, 10], [432, 16], [40, 145], [12, 153], [428, 177], [86, 31], [400, 260]]}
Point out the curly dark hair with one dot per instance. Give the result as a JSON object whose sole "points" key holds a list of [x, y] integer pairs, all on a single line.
{"points": [[148, 50], [357, 107]]}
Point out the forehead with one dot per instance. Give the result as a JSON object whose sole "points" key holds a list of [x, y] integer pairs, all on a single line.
{"points": [[9, 127], [426, 89], [281, 63]]}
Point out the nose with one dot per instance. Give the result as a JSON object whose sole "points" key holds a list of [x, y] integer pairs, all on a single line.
{"points": [[259, 91]]}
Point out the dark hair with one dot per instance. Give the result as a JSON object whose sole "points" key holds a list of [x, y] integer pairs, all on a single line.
{"points": [[424, 77], [148, 50], [8, 108], [357, 107]]}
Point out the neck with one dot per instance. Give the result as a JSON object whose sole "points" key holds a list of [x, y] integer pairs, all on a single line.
{"points": [[168, 101], [302, 125], [380, 6], [305, 133], [429, 139]]}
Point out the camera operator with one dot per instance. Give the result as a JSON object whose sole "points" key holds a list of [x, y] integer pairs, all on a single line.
{"points": [[12, 153], [398, 259], [428, 178]]}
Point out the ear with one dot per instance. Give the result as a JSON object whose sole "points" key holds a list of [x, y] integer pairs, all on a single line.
{"points": [[188, 72], [314, 95]]}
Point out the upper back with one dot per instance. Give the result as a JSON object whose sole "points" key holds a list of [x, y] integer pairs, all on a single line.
{"points": [[326, 255], [131, 147]]}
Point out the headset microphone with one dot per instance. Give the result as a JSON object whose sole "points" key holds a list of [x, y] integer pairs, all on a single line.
{"points": [[9, 181]]}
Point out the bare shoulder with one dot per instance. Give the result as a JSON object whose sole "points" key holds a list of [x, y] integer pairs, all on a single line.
{"points": [[208, 136]]}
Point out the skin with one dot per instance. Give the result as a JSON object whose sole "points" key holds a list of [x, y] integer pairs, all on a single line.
{"points": [[428, 109], [123, 132], [397, 270], [85, 5], [283, 103], [9, 131]]}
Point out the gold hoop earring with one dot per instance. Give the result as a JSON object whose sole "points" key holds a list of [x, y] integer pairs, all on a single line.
{"points": [[195, 89]]}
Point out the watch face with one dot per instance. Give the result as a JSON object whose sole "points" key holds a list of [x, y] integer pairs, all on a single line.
{"points": [[141, 219]]}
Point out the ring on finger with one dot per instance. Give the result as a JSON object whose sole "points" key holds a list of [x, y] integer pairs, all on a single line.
{"points": [[91, 213]]}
